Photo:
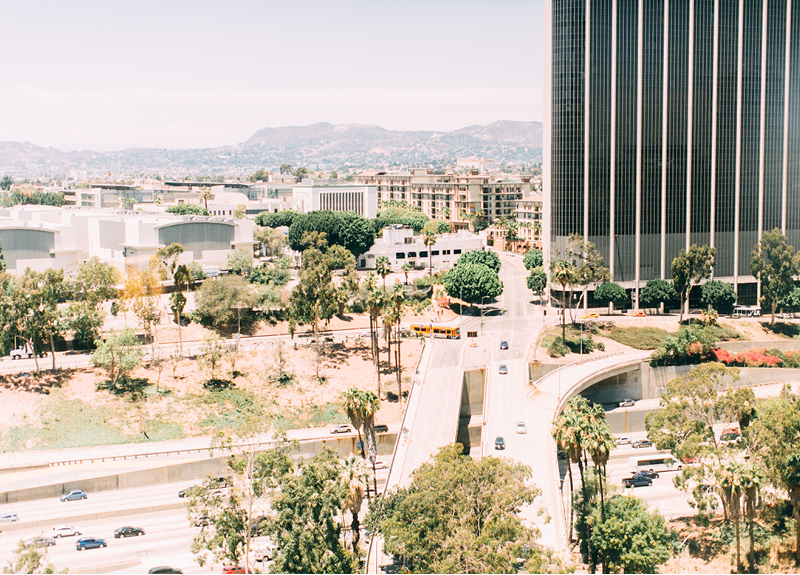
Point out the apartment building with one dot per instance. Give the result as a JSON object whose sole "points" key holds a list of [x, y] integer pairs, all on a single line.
{"points": [[449, 196], [401, 246]]}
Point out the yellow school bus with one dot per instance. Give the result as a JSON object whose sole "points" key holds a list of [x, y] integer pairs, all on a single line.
{"points": [[446, 331]]}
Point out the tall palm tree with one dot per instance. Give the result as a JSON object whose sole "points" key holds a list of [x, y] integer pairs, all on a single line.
{"points": [[354, 475], [751, 483], [383, 267], [429, 239], [375, 304], [353, 407], [398, 296], [563, 275], [731, 489], [205, 193], [361, 407]]}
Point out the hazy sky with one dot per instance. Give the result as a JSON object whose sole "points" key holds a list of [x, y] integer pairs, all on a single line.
{"points": [[107, 75]]}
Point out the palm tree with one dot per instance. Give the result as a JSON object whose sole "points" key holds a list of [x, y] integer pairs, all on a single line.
{"points": [[562, 274], [406, 268], [599, 443], [205, 193], [354, 476], [398, 296], [565, 433], [731, 489], [429, 239], [361, 407], [375, 303], [383, 267], [353, 406], [751, 483]]}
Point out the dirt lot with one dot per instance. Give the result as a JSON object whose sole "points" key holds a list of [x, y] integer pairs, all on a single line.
{"points": [[66, 409]]}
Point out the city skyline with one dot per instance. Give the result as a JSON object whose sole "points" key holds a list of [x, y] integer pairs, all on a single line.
{"points": [[186, 75]]}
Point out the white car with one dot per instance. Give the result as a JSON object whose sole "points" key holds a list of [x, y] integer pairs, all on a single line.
{"points": [[380, 464], [627, 403], [341, 428], [20, 352], [65, 531], [9, 518], [521, 427], [264, 549]]}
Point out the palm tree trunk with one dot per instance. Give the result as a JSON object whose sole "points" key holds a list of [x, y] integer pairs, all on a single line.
{"points": [[752, 554], [584, 505], [738, 546], [52, 351], [355, 528], [563, 314], [571, 500], [398, 364]]}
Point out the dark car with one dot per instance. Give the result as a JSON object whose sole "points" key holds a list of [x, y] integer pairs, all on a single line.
{"points": [[504, 345], [235, 569], [40, 542], [381, 428], [128, 532], [642, 443], [649, 474], [188, 491], [503, 369], [90, 543], [164, 569], [638, 480], [73, 495], [500, 443]]}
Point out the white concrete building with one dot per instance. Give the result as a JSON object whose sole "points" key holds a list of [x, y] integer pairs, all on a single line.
{"points": [[363, 200], [42, 237], [401, 246]]}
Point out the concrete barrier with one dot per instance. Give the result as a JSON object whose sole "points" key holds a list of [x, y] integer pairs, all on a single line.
{"points": [[187, 471]]}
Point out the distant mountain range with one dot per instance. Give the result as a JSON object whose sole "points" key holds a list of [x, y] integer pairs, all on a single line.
{"points": [[318, 146]]}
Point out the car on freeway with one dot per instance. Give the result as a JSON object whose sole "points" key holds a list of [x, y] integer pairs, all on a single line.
{"points": [[39, 542], [627, 403], [341, 428], [380, 464], [188, 491], [503, 369], [235, 569], [648, 474], [165, 569], [638, 480], [65, 531], [473, 343], [90, 543], [504, 344], [623, 441], [128, 532], [591, 316], [640, 314], [642, 443], [521, 427], [9, 518], [499, 443], [73, 495], [381, 428]]}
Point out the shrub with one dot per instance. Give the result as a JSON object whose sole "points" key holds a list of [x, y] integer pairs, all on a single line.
{"points": [[557, 348], [639, 337]]}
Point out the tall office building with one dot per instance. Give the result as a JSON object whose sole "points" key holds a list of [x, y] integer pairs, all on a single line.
{"points": [[670, 123]]}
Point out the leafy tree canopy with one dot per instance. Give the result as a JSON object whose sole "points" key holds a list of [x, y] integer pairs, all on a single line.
{"points": [[471, 282], [608, 292], [657, 291], [187, 210], [488, 258], [776, 265], [400, 215], [689, 269], [276, 220], [218, 299], [533, 259], [345, 229], [462, 515], [537, 280], [719, 295], [261, 175]]}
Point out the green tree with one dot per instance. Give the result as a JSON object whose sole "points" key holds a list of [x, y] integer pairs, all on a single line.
{"points": [[356, 233], [354, 477], [376, 303], [6, 183], [537, 280], [471, 282], [719, 295], [775, 264], [240, 262], [689, 269], [276, 272], [270, 240], [462, 515], [533, 259], [361, 407], [790, 302], [225, 303], [399, 213], [259, 175], [187, 210], [562, 273], [211, 354], [631, 539], [299, 174], [276, 220], [305, 529], [406, 267], [2, 259], [429, 239], [118, 355], [286, 169], [490, 259], [29, 559], [657, 291], [610, 292], [383, 267]]}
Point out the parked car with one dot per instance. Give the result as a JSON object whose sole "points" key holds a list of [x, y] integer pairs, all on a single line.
{"points": [[73, 495], [729, 436], [380, 464], [188, 491], [642, 443], [627, 403], [65, 531], [503, 369], [341, 428], [235, 569], [265, 549], [640, 314], [638, 480], [521, 427], [90, 543], [590, 316], [9, 518], [503, 344], [381, 428], [499, 443], [688, 459], [128, 532], [623, 441], [166, 569], [40, 542], [24, 351]]}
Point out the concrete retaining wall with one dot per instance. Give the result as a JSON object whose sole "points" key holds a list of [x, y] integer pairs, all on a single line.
{"points": [[189, 471], [783, 345]]}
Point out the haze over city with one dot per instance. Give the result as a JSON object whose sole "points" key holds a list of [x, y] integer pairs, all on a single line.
{"points": [[106, 76]]}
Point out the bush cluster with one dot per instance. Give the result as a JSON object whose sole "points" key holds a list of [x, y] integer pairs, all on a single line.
{"points": [[586, 344], [758, 358]]}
